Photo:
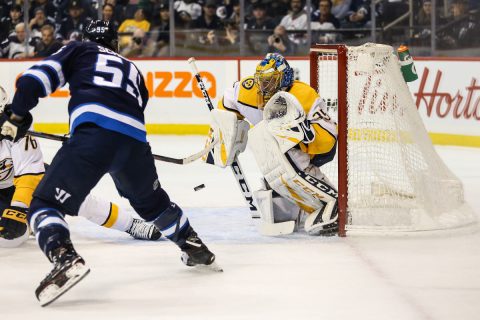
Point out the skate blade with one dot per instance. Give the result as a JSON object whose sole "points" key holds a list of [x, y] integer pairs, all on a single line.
{"points": [[53, 292]]}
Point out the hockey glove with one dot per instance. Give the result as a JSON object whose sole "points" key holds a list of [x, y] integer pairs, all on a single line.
{"points": [[13, 130], [13, 223]]}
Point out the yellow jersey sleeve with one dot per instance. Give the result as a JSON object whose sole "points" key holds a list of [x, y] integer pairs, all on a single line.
{"points": [[24, 187], [305, 94]]}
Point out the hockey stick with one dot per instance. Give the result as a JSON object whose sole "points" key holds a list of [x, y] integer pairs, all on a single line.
{"points": [[181, 161], [237, 170]]}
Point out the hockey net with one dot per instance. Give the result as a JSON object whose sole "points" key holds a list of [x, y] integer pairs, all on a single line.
{"points": [[389, 176]]}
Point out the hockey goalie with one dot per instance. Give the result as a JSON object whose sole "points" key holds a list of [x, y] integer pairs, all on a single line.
{"points": [[291, 138]]}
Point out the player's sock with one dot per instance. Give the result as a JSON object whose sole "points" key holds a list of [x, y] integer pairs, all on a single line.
{"points": [[173, 224], [50, 229]]}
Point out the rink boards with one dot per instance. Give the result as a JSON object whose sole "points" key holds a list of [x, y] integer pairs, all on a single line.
{"points": [[447, 95]]}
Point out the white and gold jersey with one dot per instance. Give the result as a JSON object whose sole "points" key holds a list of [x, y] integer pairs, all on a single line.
{"points": [[242, 99], [21, 165]]}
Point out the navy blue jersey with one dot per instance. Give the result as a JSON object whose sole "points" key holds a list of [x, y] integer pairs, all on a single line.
{"points": [[106, 88]]}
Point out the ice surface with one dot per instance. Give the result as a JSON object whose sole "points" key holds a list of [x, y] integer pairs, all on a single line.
{"points": [[293, 277]]}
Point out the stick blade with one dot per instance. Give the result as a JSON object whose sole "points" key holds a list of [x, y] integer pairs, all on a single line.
{"points": [[277, 229]]}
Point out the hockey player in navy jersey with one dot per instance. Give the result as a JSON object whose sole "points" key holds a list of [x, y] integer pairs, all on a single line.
{"points": [[108, 97]]}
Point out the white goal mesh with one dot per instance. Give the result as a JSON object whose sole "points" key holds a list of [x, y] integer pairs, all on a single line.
{"points": [[395, 179]]}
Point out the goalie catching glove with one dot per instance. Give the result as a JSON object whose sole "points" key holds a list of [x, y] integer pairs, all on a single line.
{"points": [[286, 120], [231, 135]]}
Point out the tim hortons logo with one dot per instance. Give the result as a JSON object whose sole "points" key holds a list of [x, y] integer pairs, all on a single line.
{"points": [[375, 97], [444, 103]]}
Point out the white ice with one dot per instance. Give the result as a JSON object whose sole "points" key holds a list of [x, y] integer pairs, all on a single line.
{"points": [[291, 277]]}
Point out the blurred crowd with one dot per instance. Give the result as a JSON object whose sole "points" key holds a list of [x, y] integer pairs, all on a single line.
{"points": [[213, 26]]}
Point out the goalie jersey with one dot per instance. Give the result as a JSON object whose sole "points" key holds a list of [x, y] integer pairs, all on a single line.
{"points": [[21, 165], [242, 99], [106, 88]]}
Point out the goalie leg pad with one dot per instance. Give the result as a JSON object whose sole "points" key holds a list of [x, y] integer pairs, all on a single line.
{"points": [[308, 192], [324, 221], [268, 226]]}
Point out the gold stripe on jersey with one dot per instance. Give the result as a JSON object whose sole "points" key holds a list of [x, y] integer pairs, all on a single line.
{"points": [[112, 216], [323, 143], [25, 185]]}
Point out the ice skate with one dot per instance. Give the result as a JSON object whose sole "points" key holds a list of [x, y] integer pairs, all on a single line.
{"points": [[143, 231], [196, 254], [68, 269]]}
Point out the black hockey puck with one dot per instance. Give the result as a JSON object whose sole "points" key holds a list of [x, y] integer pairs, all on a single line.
{"points": [[199, 187]]}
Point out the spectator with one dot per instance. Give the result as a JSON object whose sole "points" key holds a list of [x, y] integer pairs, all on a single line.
{"points": [[14, 46], [260, 20], [186, 11], [277, 9], [48, 44], [463, 29], [424, 16], [4, 8], [231, 33], [108, 11], [7, 24], [48, 8], [139, 21], [340, 8], [257, 41], [159, 45], [38, 21], [209, 19], [136, 47], [360, 15], [119, 8], [280, 42], [296, 20], [72, 26], [423, 22], [230, 11], [325, 20]]}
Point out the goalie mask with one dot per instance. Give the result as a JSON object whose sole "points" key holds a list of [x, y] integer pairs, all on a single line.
{"points": [[272, 75]]}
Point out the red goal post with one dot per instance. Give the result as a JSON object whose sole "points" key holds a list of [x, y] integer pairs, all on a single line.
{"points": [[338, 53], [388, 174]]}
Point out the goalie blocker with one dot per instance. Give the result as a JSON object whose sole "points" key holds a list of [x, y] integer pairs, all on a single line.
{"points": [[273, 142]]}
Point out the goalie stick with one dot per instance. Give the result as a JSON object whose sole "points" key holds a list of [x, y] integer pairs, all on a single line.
{"points": [[237, 170], [181, 161]]}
